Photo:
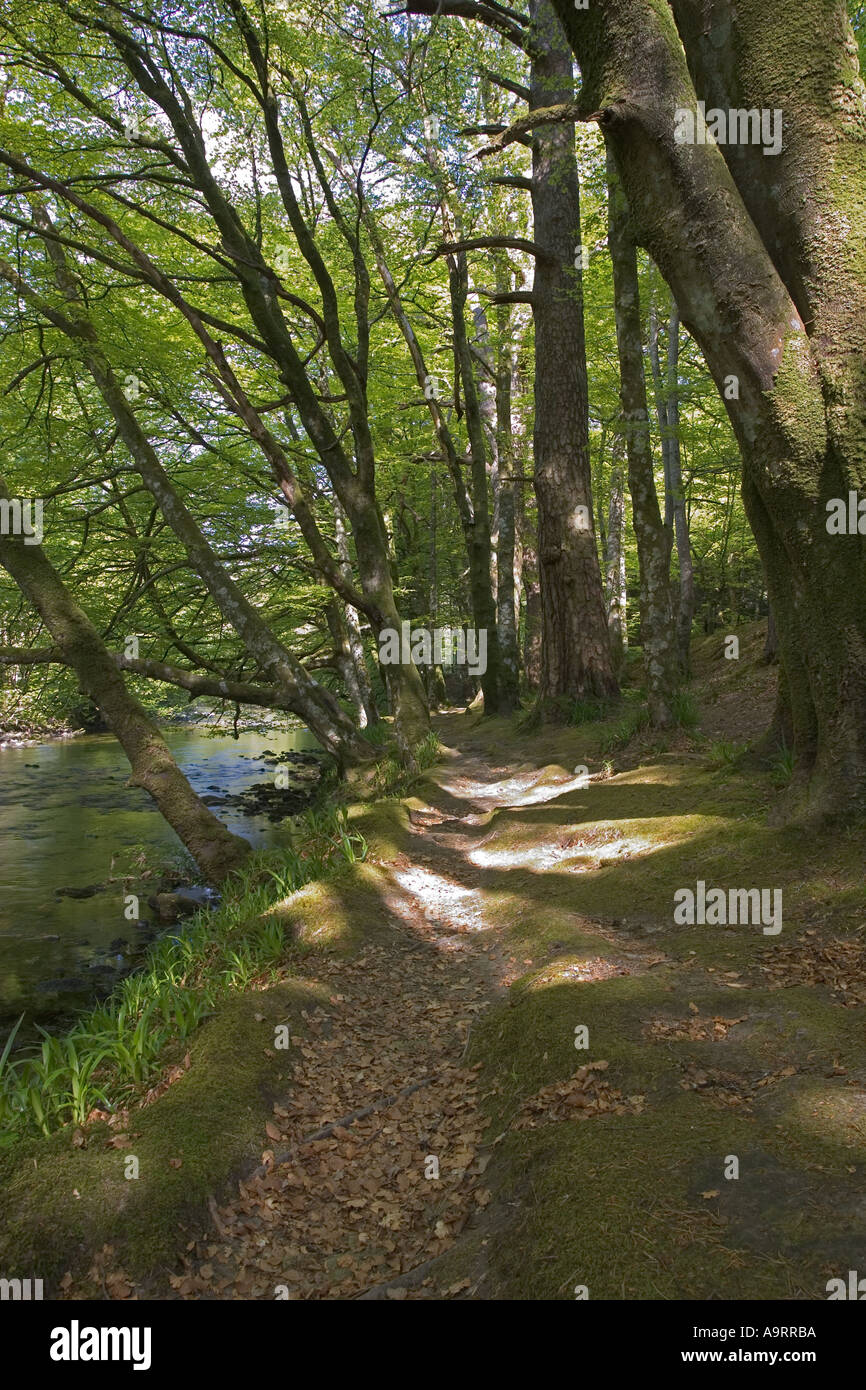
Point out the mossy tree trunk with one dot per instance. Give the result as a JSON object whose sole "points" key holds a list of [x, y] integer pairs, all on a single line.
{"points": [[214, 848], [766, 257]]}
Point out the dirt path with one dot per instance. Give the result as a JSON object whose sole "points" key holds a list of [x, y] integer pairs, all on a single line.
{"points": [[613, 1168], [392, 1187]]}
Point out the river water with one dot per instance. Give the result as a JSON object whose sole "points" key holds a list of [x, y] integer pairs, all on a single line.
{"points": [[69, 821]]}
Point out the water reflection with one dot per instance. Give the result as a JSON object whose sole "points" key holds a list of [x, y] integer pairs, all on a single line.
{"points": [[68, 820]]}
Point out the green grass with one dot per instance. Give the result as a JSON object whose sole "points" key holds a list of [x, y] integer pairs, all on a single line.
{"points": [[686, 710], [393, 779], [725, 754], [588, 711], [782, 769], [115, 1049]]}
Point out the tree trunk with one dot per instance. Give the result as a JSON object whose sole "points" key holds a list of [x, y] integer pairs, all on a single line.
{"points": [[771, 642], [653, 538], [472, 505], [507, 601], [575, 649], [686, 604], [615, 558], [480, 551], [532, 619], [764, 254], [353, 622], [215, 850]]}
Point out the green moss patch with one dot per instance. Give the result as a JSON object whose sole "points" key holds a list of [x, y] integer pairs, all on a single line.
{"points": [[61, 1202]]}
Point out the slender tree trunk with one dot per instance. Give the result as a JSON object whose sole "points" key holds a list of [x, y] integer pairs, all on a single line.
{"points": [[215, 850], [615, 556], [506, 607], [575, 649], [480, 550], [667, 401], [343, 659], [686, 604], [653, 538], [406, 695], [532, 633], [353, 622], [472, 503]]}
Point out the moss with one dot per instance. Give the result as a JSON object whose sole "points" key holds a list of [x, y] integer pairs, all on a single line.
{"points": [[579, 882], [637, 1205], [339, 914], [60, 1203]]}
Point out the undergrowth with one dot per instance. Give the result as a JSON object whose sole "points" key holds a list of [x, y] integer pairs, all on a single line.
{"points": [[115, 1049]]}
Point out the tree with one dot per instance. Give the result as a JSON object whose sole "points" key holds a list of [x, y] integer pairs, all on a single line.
{"points": [[216, 850], [575, 650], [768, 274], [228, 251]]}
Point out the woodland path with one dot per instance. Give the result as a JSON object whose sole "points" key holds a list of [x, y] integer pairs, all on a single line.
{"points": [[355, 1209]]}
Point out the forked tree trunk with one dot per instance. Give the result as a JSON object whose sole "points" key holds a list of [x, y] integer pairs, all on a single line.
{"points": [[764, 254]]}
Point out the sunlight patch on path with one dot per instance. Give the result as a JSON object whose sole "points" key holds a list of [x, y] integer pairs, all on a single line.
{"points": [[441, 900]]}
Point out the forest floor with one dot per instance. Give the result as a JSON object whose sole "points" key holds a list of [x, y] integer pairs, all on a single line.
{"points": [[708, 1141]]}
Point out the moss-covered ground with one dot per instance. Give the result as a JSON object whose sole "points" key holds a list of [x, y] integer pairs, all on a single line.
{"points": [[718, 1151]]}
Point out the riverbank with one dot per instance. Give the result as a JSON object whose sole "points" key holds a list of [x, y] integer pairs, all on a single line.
{"points": [[408, 1106], [26, 735], [85, 854]]}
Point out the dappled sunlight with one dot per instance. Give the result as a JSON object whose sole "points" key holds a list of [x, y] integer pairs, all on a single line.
{"points": [[570, 854], [833, 1111], [442, 902]]}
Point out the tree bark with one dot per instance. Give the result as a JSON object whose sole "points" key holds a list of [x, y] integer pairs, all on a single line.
{"points": [[615, 566], [653, 538], [575, 649], [686, 603], [214, 848], [506, 546], [480, 550], [764, 254]]}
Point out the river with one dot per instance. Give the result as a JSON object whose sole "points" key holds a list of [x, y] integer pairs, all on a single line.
{"points": [[68, 821]]}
